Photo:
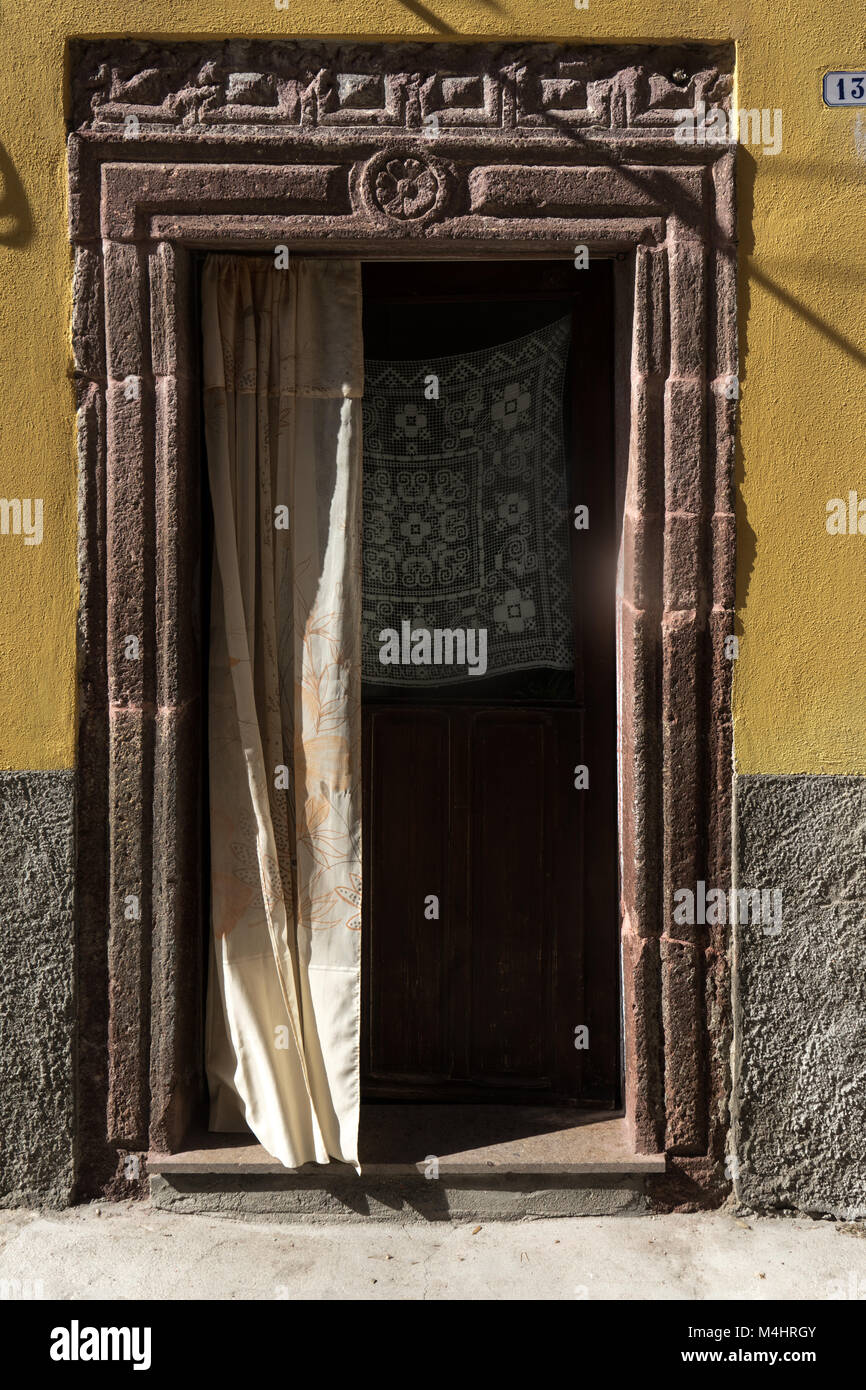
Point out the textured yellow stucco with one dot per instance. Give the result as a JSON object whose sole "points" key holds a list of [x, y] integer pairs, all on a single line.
{"points": [[800, 681]]}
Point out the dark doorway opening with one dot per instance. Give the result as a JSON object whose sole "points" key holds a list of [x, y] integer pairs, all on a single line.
{"points": [[469, 788], [470, 795]]}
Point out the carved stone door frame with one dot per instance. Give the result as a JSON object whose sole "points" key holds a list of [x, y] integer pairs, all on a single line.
{"points": [[412, 152]]}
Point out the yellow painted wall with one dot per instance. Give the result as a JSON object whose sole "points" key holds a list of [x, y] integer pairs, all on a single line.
{"points": [[800, 682]]}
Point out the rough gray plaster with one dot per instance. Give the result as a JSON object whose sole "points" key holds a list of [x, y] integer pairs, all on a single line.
{"points": [[37, 1015], [800, 997]]}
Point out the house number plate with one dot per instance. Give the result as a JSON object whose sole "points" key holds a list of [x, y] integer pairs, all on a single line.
{"points": [[845, 88]]}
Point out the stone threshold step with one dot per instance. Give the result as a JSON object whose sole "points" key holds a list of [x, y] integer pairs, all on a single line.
{"points": [[467, 1141]]}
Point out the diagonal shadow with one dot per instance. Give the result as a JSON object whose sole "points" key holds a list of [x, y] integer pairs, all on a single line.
{"points": [[14, 207], [745, 229], [421, 12], [804, 312], [690, 209]]}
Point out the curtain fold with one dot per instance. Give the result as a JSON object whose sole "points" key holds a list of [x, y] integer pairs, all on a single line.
{"points": [[282, 381]]}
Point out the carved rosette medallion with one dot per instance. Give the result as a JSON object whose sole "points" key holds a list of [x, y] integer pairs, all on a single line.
{"points": [[408, 189]]}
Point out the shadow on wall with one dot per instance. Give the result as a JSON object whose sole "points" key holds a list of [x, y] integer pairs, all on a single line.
{"points": [[426, 14], [422, 12], [16, 223]]}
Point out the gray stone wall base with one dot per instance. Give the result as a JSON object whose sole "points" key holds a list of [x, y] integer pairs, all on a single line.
{"points": [[397, 1198], [799, 1136], [799, 1105], [37, 988]]}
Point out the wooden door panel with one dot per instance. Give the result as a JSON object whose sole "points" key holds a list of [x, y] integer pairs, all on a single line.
{"points": [[406, 829], [478, 806], [571, 872], [509, 925]]}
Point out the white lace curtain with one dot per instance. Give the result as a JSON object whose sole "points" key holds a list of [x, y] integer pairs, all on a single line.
{"points": [[466, 518], [283, 377]]}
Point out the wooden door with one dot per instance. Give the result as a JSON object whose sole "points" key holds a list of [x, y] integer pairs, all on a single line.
{"points": [[490, 880]]}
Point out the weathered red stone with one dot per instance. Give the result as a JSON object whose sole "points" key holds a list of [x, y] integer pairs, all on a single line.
{"points": [[538, 149]]}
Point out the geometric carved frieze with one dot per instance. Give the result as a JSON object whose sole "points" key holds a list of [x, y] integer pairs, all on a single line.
{"points": [[435, 88], [397, 138]]}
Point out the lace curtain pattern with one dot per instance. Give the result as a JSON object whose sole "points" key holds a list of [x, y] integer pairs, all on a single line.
{"points": [[465, 506]]}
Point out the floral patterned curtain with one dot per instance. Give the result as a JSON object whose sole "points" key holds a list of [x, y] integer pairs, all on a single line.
{"points": [[283, 377]]}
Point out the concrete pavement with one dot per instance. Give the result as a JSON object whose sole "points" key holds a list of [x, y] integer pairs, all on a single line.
{"points": [[132, 1251]]}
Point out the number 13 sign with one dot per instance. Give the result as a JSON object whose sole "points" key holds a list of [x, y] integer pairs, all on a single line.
{"points": [[845, 89]]}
